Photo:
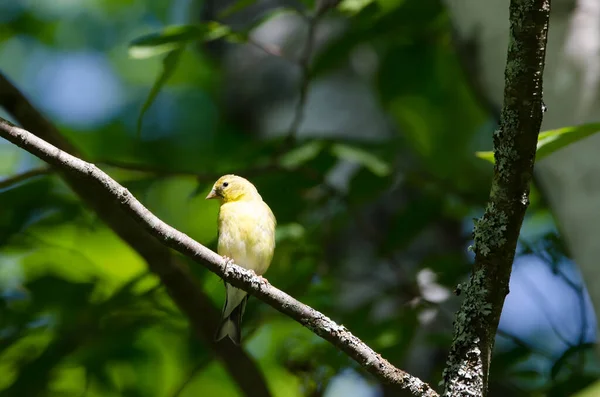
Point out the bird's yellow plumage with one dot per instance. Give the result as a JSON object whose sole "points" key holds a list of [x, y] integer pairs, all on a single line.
{"points": [[247, 236]]}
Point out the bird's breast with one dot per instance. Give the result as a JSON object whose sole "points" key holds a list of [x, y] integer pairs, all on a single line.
{"points": [[246, 235]]}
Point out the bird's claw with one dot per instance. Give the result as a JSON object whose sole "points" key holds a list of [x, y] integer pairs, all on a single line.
{"points": [[228, 261]]}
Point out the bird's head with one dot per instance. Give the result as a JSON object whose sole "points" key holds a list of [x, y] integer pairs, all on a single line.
{"points": [[230, 188]]}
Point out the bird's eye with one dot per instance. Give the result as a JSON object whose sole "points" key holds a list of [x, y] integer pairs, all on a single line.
{"points": [[225, 184]]}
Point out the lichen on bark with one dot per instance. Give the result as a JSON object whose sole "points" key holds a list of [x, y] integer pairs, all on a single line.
{"points": [[463, 374], [496, 232], [489, 230]]}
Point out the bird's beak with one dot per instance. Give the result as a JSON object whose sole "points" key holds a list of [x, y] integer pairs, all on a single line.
{"points": [[212, 195]]}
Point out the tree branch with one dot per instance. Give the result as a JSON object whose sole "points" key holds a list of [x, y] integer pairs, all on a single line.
{"points": [[336, 334], [174, 274], [496, 233]]}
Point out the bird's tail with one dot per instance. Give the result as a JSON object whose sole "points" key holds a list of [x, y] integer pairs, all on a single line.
{"points": [[231, 319]]}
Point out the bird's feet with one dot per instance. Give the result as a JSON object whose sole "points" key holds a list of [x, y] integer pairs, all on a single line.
{"points": [[228, 261], [263, 280]]}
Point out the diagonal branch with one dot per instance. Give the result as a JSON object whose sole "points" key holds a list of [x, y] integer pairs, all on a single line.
{"points": [[174, 275], [496, 233], [321, 325]]}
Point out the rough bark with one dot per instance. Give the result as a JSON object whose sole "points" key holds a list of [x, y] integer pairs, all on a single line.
{"points": [[497, 232]]}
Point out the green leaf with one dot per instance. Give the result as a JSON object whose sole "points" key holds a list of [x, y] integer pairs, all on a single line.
{"points": [[553, 140], [235, 7], [362, 157], [488, 156], [167, 40], [299, 156], [352, 7], [176, 37], [169, 65]]}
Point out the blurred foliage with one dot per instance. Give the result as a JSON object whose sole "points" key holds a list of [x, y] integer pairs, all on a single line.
{"points": [[364, 222]]}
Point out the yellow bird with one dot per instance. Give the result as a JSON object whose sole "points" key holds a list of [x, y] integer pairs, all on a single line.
{"points": [[247, 236]]}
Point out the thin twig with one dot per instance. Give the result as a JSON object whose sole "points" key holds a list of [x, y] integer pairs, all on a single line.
{"points": [[304, 65], [18, 178], [239, 277]]}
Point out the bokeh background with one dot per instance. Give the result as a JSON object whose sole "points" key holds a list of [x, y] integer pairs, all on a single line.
{"points": [[358, 127]]}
